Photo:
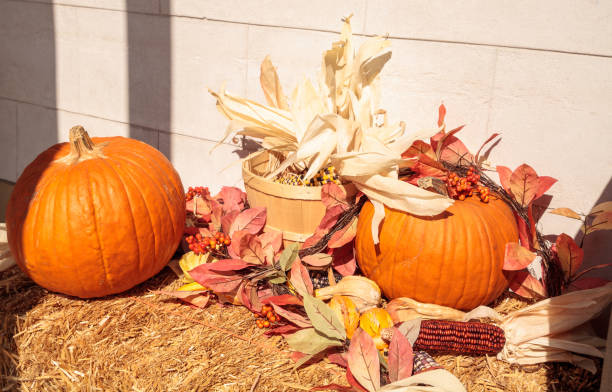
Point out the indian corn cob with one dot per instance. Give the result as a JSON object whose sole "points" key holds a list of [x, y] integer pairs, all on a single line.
{"points": [[466, 338]]}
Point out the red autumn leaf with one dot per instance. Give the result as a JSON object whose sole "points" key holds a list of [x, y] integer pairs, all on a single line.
{"points": [[290, 316], [455, 152], [476, 157], [245, 298], [441, 114], [224, 265], [339, 359], [417, 148], [299, 277], [197, 298], [449, 148], [353, 381], [232, 197], [525, 285], [344, 235], [239, 239], [517, 257], [570, 255], [363, 360], [283, 299], [227, 220], [251, 220], [343, 259], [216, 216], [198, 207], [427, 167], [219, 282], [250, 249], [282, 330], [504, 177], [524, 184], [401, 357], [523, 230], [332, 195], [220, 276], [544, 184], [318, 260], [588, 283], [329, 219], [313, 239], [272, 238]]}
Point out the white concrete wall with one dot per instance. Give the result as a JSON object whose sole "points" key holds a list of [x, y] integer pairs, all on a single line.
{"points": [[539, 72]]}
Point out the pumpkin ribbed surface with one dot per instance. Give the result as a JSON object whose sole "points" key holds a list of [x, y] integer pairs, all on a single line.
{"points": [[95, 216], [454, 259]]}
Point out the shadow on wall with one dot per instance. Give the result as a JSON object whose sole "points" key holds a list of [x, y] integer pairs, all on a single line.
{"points": [[27, 74], [598, 245], [149, 71]]}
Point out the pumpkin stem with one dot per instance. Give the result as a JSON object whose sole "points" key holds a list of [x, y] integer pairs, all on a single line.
{"points": [[81, 146]]}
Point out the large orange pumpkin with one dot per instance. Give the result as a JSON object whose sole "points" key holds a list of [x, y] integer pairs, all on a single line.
{"points": [[97, 216], [453, 259]]}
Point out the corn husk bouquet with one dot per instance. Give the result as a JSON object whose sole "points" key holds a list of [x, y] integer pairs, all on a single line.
{"points": [[333, 129]]}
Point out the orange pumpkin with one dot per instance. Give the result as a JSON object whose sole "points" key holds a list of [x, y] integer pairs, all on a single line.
{"points": [[97, 216], [454, 259]]}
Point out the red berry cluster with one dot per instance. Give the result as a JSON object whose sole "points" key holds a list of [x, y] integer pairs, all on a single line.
{"points": [[462, 187], [268, 316], [199, 244], [197, 191]]}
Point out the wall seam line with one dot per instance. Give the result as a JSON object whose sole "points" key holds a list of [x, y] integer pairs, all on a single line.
{"points": [[150, 129], [400, 38]]}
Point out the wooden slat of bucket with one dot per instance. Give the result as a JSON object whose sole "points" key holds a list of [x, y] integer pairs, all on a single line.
{"points": [[294, 210]]}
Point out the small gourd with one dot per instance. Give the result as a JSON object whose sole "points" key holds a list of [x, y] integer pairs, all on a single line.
{"points": [[374, 321]]}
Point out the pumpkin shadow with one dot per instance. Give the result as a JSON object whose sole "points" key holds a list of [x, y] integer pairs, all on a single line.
{"points": [[18, 295]]}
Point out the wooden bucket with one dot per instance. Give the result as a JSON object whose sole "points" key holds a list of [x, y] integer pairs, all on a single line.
{"points": [[294, 210]]}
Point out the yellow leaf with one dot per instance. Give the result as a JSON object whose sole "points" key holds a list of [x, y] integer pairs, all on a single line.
{"points": [[193, 286], [190, 260], [569, 213]]}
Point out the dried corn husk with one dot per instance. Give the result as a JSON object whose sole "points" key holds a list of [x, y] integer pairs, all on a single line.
{"points": [[404, 309], [554, 329], [333, 122], [364, 292]]}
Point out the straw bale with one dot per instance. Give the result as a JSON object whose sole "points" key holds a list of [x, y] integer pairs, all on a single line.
{"points": [[139, 341]]}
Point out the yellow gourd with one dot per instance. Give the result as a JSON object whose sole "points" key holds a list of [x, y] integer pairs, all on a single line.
{"points": [[373, 321]]}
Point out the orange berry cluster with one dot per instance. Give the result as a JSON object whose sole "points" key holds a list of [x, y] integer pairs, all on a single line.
{"points": [[199, 244], [268, 316], [462, 187], [197, 191]]}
